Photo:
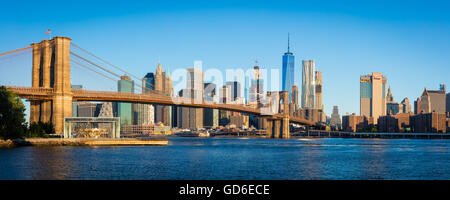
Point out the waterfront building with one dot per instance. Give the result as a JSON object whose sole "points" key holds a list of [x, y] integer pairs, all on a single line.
{"points": [[308, 84], [355, 123], [288, 71], [335, 120], [318, 91], [125, 84], [373, 95], [239, 121], [394, 123], [433, 100], [433, 122]]}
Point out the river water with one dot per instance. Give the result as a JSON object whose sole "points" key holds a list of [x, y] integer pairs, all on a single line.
{"points": [[236, 158]]}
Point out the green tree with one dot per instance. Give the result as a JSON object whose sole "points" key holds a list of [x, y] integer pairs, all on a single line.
{"points": [[12, 115], [40, 129]]}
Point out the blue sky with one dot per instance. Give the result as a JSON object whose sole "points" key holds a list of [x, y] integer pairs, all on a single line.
{"points": [[408, 41]]}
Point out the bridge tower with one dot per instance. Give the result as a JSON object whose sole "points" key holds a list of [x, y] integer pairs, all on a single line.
{"points": [[284, 106], [278, 127], [51, 69]]}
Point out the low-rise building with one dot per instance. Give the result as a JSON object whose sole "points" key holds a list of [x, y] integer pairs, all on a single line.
{"points": [[433, 122], [240, 121], [394, 123], [353, 123]]}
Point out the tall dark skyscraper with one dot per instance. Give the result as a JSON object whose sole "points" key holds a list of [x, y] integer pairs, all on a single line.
{"points": [[148, 82], [288, 71], [235, 89]]}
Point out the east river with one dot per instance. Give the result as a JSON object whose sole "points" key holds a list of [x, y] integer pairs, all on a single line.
{"points": [[236, 158]]}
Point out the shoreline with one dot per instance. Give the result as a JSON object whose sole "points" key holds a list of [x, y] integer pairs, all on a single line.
{"points": [[83, 142], [163, 141]]}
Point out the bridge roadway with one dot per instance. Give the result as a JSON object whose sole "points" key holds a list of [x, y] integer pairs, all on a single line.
{"points": [[32, 93]]}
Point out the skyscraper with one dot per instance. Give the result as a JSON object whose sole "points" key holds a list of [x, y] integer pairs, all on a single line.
{"points": [[225, 94], [447, 100], [392, 107], [163, 85], [125, 84], [308, 84], [288, 68], [373, 95], [246, 87], [417, 106], [406, 105], [143, 114], [318, 90], [235, 89], [210, 116], [74, 103], [433, 100], [295, 94], [257, 86], [195, 89], [148, 82], [224, 97], [335, 120]]}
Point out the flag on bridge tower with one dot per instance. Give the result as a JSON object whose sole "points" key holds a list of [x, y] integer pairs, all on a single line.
{"points": [[49, 32]]}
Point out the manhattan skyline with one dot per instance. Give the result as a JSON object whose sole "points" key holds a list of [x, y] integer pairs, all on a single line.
{"points": [[409, 46]]}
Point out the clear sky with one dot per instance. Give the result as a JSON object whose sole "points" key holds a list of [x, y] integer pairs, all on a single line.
{"points": [[408, 41]]}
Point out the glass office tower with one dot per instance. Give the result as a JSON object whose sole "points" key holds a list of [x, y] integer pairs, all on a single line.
{"points": [[125, 84], [288, 72]]}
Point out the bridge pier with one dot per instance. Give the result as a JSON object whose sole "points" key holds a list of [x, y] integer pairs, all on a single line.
{"points": [[285, 128], [51, 69], [269, 128], [277, 127]]}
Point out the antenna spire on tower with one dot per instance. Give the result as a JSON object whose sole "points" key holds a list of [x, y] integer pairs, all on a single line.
{"points": [[288, 43]]}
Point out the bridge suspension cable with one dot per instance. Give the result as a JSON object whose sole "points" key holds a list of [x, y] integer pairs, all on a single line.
{"points": [[118, 68], [90, 69], [92, 63], [5, 53], [139, 88]]}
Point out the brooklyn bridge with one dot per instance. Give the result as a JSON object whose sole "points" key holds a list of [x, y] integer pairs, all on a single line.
{"points": [[51, 95]]}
